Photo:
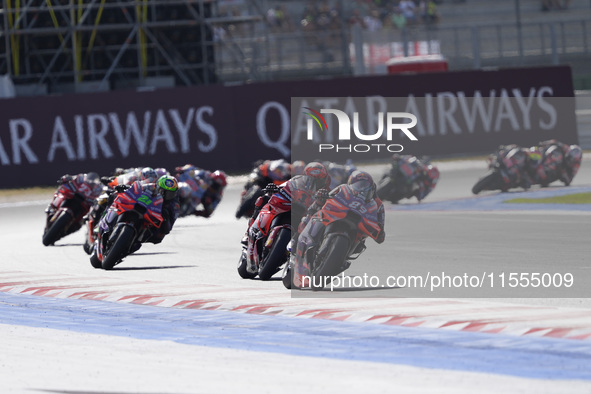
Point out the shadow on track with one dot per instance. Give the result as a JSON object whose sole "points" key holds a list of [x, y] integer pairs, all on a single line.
{"points": [[164, 267]]}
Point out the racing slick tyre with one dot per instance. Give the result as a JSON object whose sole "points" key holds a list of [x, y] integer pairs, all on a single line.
{"points": [[490, 181], [119, 248], [330, 260], [276, 256], [244, 274], [286, 277], [94, 260], [57, 229]]}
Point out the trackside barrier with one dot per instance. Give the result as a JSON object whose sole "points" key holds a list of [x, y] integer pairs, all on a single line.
{"points": [[229, 128]]}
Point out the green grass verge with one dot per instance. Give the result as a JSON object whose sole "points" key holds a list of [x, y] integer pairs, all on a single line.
{"points": [[578, 198], [29, 190]]}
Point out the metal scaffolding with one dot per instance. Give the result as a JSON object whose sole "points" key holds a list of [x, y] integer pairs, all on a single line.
{"points": [[93, 45]]}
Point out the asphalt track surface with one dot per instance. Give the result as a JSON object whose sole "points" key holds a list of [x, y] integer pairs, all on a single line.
{"points": [[177, 318]]}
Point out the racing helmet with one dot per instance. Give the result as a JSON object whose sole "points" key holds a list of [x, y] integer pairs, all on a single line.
{"points": [[280, 169], [297, 167], [218, 180], [573, 158], [184, 191], [168, 187], [318, 174], [148, 175], [161, 171], [433, 174], [362, 185], [93, 177]]}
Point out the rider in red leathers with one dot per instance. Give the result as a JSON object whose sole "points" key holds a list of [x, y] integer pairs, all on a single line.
{"points": [[297, 192]]}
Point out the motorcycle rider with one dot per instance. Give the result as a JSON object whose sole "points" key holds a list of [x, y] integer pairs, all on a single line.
{"points": [[204, 188], [420, 175], [339, 173], [91, 179], [515, 160], [360, 184], [144, 175], [213, 195], [269, 171], [167, 187], [558, 161], [279, 199]]}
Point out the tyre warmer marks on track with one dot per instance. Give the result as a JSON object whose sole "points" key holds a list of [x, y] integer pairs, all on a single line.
{"points": [[444, 314], [528, 357]]}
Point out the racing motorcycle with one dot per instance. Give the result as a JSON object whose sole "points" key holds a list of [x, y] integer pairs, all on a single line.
{"points": [[71, 201], [253, 189], [271, 245], [331, 238], [129, 220], [503, 171], [192, 188], [401, 180]]}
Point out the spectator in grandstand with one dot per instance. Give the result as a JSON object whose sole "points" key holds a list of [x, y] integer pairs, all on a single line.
{"points": [[398, 19], [408, 9], [357, 19], [429, 13], [373, 22]]}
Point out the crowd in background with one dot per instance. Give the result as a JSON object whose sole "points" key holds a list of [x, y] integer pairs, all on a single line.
{"points": [[371, 15]]}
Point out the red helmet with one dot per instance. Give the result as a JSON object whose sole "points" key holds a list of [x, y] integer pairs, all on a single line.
{"points": [[433, 174], [318, 172], [219, 177]]}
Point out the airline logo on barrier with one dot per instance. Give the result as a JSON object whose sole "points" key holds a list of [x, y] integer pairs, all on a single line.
{"points": [[345, 127]]}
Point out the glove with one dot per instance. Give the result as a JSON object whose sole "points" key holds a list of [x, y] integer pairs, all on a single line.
{"points": [[105, 180], [121, 188], [64, 179], [321, 196], [271, 188]]}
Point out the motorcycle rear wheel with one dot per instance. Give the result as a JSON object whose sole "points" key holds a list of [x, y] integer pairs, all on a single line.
{"points": [[270, 264], [119, 248], [57, 229]]}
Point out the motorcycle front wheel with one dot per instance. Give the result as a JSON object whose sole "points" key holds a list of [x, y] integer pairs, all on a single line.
{"points": [[491, 181], [331, 255], [244, 274], [57, 229], [119, 248], [276, 256]]}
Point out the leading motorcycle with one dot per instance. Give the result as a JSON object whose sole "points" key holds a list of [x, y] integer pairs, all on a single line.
{"points": [[332, 237]]}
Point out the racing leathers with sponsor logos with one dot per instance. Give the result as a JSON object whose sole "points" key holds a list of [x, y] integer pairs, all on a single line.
{"points": [[294, 195]]}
